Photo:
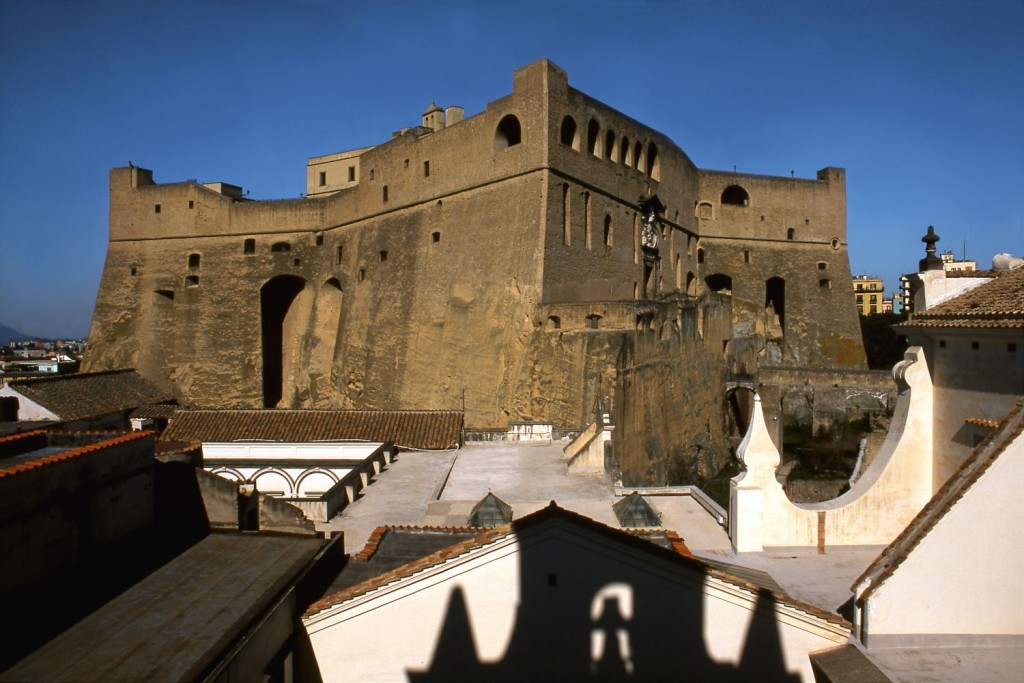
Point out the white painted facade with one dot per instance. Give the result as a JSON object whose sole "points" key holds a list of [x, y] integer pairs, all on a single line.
{"points": [[538, 603], [28, 410], [289, 470]]}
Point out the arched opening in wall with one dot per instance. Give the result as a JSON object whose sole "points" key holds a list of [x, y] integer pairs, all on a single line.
{"points": [[609, 146], [593, 321], [735, 195], [569, 134], [280, 247], [193, 260], [739, 407], [691, 284], [314, 483], [719, 283], [700, 255], [272, 482], [607, 230], [325, 332], [509, 133], [791, 234], [276, 299], [775, 303], [679, 273], [593, 136], [554, 322], [653, 162], [638, 156], [626, 152]]}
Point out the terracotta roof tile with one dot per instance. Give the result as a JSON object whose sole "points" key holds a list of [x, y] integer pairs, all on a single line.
{"points": [[411, 429], [43, 461], [973, 468], [91, 394], [998, 303]]}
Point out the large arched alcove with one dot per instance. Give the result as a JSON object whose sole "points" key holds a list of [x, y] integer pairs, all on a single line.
{"points": [[775, 300], [280, 332], [719, 282]]}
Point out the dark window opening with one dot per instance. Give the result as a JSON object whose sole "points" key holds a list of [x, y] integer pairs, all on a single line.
{"points": [[554, 322], [193, 260], [567, 134], [296, 262], [362, 274], [822, 265], [384, 193], [351, 174], [719, 283], [319, 239], [825, 283], [435, 237], [191, 204], [249, 246], [607, 230], [383, 255], [653, 163], [790, 234], [593, 135], [735, 195], [566, 218], [942, 343], [164, 295], [775, 298], [626, 152], [746, 256], [593, 321], [323, 178], [280, 247], [974, 346], [1011, 347], [371, 174], [276, 298], [426, 169], [700, 255], [609, 146], [134, 271], [156, 208], [192, 281], [509, 132], [338, 251], [638, 156]]}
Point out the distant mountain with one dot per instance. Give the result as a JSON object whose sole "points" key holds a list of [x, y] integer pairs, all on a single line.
{"points": [[7, 335]]}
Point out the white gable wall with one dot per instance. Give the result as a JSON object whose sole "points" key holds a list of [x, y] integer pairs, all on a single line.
{"points": [[964, 575], [672, 611], [28, 410]]}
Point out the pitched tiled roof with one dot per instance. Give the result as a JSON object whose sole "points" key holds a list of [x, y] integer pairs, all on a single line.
{"points": [[415, 429], [633, 538], [1010, 428], [67, 454], [997, 303], [91, 394]]}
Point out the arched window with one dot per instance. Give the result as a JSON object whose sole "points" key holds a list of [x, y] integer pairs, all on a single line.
{"points": [[626, 152], [719, 283], [775, 298], [607, 230], [700, 255], [593, 136], [735, 195], [193, 260], [569, 135], [609, 146], [638, 153], [653, 163], [790, 234], [509, 132], [280, 247]]}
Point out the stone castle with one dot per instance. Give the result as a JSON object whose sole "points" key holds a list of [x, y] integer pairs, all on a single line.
{"points": [[527, 263]]}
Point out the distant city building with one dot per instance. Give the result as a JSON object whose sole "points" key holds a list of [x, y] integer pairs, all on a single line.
{"points": [[868, 292], [898, 305], [949, 262]]}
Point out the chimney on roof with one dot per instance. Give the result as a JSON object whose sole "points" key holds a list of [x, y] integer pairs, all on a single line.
{"points": [[930, 260]]}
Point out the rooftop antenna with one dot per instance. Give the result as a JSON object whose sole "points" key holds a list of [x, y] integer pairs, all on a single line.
{"points": [[965, 250]]}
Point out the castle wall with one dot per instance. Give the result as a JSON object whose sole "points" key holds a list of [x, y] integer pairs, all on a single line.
{"points": [[432, 278]]}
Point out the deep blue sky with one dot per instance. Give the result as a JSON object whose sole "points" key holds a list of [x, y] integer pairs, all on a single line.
{"points": [[921, 102]]}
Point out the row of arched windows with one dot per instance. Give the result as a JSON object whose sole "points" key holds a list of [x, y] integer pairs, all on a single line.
{"points": [[643, 158]]}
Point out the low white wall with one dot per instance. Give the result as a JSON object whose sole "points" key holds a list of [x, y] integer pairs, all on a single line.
{"points": [[877, 507]]}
